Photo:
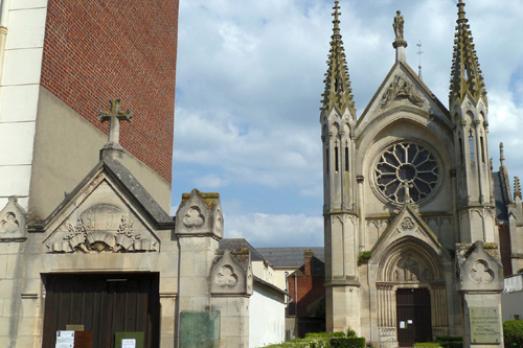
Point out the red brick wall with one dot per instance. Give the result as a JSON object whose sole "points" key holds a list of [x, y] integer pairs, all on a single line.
{"points": [[98, 50]]}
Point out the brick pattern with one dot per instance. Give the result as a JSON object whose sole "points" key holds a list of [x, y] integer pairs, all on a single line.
{"points": [[98, 50]]}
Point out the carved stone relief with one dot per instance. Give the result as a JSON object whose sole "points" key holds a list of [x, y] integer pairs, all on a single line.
{"points": [[102, 228], [193, 218], [477, 270], [231, 274], [401, 89], [407, 224], [12, 221], [410, 269], [226, 278]]}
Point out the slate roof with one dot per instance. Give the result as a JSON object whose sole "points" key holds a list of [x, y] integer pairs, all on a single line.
{"points": [[289, 257], [501, 201], [235, 244]]}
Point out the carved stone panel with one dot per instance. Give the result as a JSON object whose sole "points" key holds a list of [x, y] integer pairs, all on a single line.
{"points": [[401, 89], [200, 214], [478, 270], [12, 222], [102, 228], [231, 275]]}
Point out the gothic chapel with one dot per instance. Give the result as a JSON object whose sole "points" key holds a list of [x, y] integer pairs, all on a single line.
{"points": [[411, 236]]}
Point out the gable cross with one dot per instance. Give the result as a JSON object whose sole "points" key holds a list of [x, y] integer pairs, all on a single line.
{"points": [[114, 116]]}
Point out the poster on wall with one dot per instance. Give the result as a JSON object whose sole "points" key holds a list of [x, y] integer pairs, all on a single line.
{"points": [[64, 339]]}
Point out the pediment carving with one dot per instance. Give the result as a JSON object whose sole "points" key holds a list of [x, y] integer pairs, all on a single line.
{"points": [[406, 224], [231, 274], [12, 221], [477, 270], [101, 221], [401, 89]]}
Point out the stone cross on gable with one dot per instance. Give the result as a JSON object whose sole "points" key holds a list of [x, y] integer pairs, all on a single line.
{"points": [[114, 116]]}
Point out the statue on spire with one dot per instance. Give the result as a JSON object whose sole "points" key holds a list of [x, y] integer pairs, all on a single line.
{"points": [[398, 25], [399, 32]]}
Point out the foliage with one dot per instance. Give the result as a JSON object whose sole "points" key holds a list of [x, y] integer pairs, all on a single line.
{"points": [[513, 333], [427, 345], [490, 246], [364, 257], [325, 340], [347, 342], [450, 341]]}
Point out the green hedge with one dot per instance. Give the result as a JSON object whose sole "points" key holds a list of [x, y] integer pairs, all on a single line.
{"points": [[450, 341], [325, 340], [347, 342], [427, 345], [513, 333]]}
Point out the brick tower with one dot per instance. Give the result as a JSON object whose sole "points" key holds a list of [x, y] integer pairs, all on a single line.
{"points": [[62, 61]]}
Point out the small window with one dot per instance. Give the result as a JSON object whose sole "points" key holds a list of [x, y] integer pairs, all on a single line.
{"points": [[346, 158], [336, 159], [327, 161], [471, 147], [461, 149], [482, 144]]}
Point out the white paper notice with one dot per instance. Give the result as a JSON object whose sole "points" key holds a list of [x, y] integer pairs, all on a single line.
{"points": [[64, 339], [129, 343], [409, 321], [402, 324]]}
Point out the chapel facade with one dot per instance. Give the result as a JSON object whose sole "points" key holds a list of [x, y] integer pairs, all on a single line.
{"points": [[411, 236]]}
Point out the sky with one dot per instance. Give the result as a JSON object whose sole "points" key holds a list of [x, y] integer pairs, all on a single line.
{"points": [[250, 77]]}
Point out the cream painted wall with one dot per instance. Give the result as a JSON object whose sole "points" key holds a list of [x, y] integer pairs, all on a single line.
{"points": [[66, 149], [266, 318], [19, 81]]}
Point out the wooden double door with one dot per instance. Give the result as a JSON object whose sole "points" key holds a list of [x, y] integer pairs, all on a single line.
{"points": [[104, 304], [413, 316]]}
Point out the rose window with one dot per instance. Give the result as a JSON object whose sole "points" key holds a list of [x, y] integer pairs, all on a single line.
{"points": [[407, 173]]}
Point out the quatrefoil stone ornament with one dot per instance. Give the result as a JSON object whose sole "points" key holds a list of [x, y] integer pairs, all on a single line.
{"points": [[481, 273]]}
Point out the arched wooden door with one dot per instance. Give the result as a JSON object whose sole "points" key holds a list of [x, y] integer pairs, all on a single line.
{"points": [[413, 316]]}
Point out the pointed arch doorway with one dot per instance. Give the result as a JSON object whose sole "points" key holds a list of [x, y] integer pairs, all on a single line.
{"points": [[414, 319]]}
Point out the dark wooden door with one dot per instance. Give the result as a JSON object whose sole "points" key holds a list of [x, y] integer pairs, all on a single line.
{"points": [[414, 316], [104, 304]]}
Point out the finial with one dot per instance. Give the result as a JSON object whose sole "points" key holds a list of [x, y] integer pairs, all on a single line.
{"points": [[338, 90], [399, 32], [502, 154], [517, 188], [420, 53], [114, 116], [466, 75]]}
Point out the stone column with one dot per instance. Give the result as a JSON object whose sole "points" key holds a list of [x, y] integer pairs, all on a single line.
{"points": [[481, 284]]}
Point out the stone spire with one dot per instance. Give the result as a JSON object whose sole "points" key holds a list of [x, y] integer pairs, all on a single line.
{"points": [[338, 90], [517, 188], [466, 76]]}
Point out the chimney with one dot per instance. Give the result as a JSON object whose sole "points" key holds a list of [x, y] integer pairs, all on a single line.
{"points": [[307, 262]]}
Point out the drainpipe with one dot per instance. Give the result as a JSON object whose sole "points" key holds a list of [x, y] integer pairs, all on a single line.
{"points": [[4, 9]]}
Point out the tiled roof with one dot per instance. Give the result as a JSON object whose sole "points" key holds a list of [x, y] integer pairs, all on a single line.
{"points": [[235, 244], [289, 257]]}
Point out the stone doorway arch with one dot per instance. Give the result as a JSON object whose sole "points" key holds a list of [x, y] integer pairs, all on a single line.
{"points": [[409, 263]]}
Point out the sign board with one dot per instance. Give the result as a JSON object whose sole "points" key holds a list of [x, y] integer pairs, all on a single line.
{"points": [[129, 343], [484, 325], [200, 329], [64, 339], [129, 339]]}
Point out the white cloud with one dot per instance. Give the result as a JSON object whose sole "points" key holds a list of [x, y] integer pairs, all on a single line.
{"points": [[250, 79], [276, 229], [210, 182]]}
